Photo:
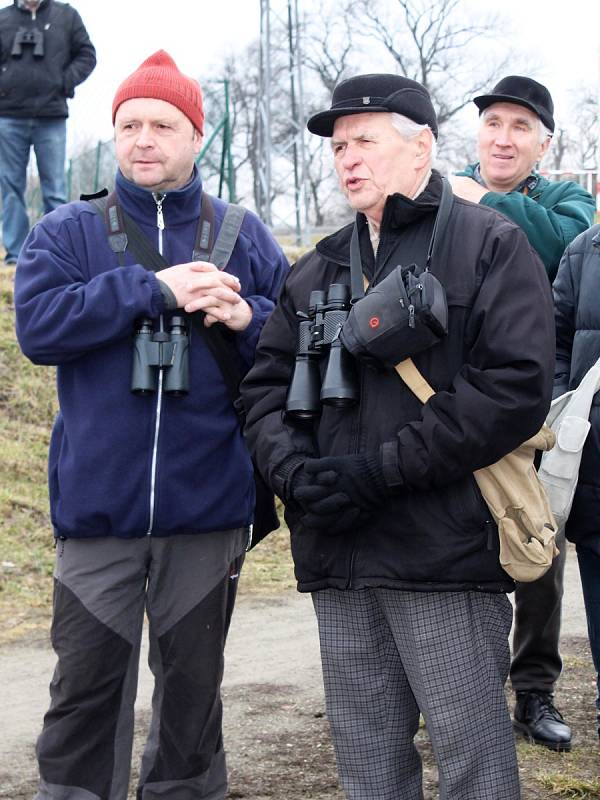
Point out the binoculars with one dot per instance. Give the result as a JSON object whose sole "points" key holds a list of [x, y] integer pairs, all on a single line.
{"points": [[29, 37], [154, 351], [319, 336]]}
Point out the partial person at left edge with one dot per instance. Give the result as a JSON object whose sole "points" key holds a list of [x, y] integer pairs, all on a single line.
{"points": [[151, 485], [45, 52]]}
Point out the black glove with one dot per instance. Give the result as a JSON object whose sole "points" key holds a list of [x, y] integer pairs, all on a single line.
{"points": [[289, 477], [343, 490]]}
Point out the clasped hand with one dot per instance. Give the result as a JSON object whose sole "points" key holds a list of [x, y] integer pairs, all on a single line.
{"points": [[336, 492], [200, 286]]}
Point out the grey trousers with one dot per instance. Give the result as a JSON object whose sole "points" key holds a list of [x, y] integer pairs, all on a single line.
{"points": [[187, 586], [388, 656], [536, 662]]}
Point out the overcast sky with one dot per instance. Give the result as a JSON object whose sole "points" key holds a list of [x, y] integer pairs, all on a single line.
{"points": [[565, 44]]}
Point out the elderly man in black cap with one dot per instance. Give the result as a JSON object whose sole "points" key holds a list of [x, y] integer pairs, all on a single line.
{"points": [[389, 531], [515, 132]]}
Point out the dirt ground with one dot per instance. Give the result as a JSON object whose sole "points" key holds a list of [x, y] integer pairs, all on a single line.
{"points": [[276, 733]]}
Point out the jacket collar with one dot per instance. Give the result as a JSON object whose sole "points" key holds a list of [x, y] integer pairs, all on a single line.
{"points": [[529, 184], [179, 206], [399, 212]]}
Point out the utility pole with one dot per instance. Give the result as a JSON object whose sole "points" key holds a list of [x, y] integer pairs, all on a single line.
{"points": [[284, 162]]}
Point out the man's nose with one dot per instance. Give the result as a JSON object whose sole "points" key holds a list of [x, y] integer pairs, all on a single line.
{"points": [[503, 137], [145, 137], [351, 157]]}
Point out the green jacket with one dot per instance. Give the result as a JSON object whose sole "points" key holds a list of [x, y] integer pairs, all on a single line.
{"points": [[551, 216]]}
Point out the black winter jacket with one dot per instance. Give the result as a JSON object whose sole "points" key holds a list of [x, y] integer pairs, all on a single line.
{"points": [[38, 86], [577, 314], [493, 376]]}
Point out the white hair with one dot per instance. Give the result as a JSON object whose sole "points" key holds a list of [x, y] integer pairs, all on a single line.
{"points": [[408, 129]]}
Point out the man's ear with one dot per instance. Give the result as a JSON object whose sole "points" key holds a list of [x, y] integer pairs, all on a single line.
{"points": [[424, 146], [544, 147], [197, 141]]}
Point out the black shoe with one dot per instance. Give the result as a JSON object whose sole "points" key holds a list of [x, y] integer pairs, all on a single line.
{"points": [[10, 261], [538, 720]]}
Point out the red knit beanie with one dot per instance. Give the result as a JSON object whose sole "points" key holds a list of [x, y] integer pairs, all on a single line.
{"points": [[159, 77]]}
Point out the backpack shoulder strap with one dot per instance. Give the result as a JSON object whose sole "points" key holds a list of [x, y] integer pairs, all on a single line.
{"points": [[107, 207], [228, 235]]}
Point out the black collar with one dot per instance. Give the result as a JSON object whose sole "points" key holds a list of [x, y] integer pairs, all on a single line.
{"points": [[398, 213]]}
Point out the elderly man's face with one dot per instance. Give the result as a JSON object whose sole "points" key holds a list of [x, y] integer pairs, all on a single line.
{"points": [[155, 143], [373, 161], [509, 145]]}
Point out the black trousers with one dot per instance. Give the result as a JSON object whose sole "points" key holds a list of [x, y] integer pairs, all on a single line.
{"points": [[536, 662], [186, 585]]}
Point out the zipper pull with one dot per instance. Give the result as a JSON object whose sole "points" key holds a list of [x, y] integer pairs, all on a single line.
{"points": [[160, 220]]}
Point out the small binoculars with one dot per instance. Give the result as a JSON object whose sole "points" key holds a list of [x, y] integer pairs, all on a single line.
{"points": [[156, 351]]}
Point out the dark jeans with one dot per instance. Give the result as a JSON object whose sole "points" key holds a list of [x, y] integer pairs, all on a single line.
{"points": [[589, 569], [536, 662], [17, 137]]}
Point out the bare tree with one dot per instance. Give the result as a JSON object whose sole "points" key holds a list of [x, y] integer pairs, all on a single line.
{"points": [[586, 123], [432, 42], [328, 46], [329, 49], [561, 145]]}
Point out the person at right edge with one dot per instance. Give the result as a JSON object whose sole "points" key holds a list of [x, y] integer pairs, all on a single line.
{"points": [[515, 132], [389, 531], [577, 316]]}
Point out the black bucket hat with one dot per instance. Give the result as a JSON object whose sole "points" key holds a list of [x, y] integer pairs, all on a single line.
{"points": [[524, 92], [364, 94]]}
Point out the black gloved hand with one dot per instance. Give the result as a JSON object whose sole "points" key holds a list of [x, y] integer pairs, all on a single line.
{"points": [[343, 489]]}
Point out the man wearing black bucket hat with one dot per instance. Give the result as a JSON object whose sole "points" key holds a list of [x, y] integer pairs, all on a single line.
{"points": [[389, 531], [516, 127]]}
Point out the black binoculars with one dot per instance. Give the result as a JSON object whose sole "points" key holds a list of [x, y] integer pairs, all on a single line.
{"points": [[156, 351], [319, 335], [29, 37]]}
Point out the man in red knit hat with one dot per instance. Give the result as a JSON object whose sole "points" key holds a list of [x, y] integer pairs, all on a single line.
{"points": [[151, 486]]}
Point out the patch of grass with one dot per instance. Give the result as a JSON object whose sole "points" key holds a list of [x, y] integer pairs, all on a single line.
{"points": [[567, 785], [268, 568], [27, 407]]}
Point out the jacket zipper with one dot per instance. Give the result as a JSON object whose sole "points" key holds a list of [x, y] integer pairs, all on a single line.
{"points": [[160, 224]]}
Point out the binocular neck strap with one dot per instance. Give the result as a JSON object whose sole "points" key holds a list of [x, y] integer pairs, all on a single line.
{"points": [[357, 279], [441, 220]]}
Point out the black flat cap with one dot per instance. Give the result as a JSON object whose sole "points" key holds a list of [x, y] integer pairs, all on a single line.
{"points": [[524, 92], [364, 94]]}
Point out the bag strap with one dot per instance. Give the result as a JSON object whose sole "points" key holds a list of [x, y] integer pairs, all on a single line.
{"points": [[416, 382], [218, 337], [441, 220]]}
